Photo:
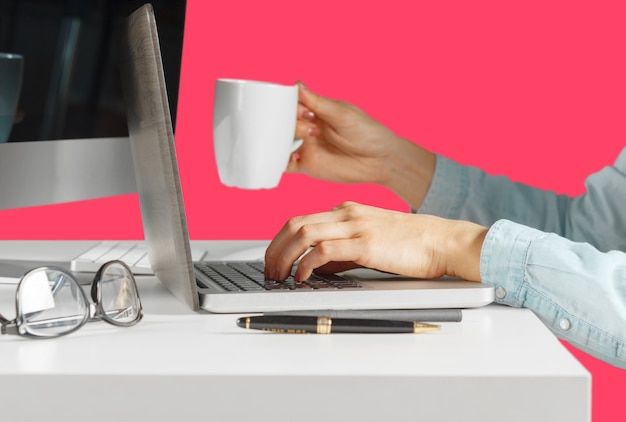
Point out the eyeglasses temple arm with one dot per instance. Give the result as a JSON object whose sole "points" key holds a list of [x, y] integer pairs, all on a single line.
{"points": [[7, 327]]}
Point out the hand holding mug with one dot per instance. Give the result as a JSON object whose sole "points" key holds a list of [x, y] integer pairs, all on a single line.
{"points": [[343, 144]]}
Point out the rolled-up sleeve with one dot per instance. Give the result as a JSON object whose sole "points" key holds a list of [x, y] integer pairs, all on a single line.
{"points": [[576, 290], [468, 193], [562, 257], [597, 216]]}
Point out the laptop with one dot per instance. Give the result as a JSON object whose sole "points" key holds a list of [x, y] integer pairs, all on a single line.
{"points": [[222, 287]]}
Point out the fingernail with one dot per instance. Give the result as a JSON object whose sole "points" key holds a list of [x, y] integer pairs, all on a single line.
{"points": [[314, 131], [308, 115]]}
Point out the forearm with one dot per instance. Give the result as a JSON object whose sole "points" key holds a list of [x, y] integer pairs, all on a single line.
{"points": [[409, 172]]}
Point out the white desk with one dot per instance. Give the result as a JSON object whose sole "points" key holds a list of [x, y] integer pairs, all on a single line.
{"points": [[498, 364]]}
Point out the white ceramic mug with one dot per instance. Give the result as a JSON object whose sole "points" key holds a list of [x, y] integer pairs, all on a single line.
{"points": [[253, 131], [10, 85]]}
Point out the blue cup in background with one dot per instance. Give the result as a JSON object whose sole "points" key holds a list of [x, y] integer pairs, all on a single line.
{"points": [[11, 66]]}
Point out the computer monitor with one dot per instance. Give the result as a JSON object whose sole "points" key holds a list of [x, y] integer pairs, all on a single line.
{"points": [[70, 137]]}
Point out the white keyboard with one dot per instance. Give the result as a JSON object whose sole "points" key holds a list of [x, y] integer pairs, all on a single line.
{"points": [[134, 254]]}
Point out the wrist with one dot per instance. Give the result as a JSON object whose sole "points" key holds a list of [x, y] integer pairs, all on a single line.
{"points": [[409, 171], [464, 247]]}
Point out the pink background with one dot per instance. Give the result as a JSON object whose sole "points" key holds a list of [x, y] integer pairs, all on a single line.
{"points": [[531, 89]]}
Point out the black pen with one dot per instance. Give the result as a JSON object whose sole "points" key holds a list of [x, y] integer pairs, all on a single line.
{"points": [[295, 324]]}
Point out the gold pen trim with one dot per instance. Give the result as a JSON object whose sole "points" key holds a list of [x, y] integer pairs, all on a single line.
{"points": [[248, 323], [324, 325], [422, 327]]}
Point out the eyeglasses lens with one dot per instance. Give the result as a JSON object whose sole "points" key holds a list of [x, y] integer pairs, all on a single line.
{"points": [[119, 298], [51, 303]]}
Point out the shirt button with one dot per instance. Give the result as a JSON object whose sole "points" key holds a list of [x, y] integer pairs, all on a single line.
{"points": [[500, 292], [564, 324]]}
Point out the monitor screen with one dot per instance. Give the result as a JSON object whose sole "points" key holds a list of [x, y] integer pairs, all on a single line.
{"points": [[70, 86], [71, 100]]}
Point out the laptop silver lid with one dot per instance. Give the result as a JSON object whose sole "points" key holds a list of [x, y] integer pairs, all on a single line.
{"points": [[154, 155]]}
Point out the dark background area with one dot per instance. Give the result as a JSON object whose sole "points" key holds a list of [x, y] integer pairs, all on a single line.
{"points": [[70, 87]]}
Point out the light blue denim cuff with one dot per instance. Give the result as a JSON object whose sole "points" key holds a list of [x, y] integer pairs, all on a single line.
{"points": [[503, 260], [448, 190], [567, 285]]}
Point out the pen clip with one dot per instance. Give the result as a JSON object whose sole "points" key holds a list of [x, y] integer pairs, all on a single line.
{"points": [[324, 324], [422, 327]]}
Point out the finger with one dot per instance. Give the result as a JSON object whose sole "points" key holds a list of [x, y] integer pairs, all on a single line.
{"points": [[321, 106], [297, 235], [304, 113], [342, 253], [305, 129], [293, 225], [290, 229], [336, 267], [293, 166], [300, 160], [311, 236], [346, 205], [274, 251]]}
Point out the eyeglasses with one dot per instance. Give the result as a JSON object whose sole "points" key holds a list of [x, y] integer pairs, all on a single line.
{"points": [[51, 303]]}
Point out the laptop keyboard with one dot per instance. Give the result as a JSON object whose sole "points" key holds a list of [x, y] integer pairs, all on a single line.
{"points": [[249, 276]]}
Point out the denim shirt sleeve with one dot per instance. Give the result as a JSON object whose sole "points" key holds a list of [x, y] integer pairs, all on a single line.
{"points": [[576, 290], [468, 193], [563, 258], [597, 217]]}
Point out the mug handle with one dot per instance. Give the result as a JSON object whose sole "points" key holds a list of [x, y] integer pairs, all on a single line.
{"points": [[297, 143]]}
